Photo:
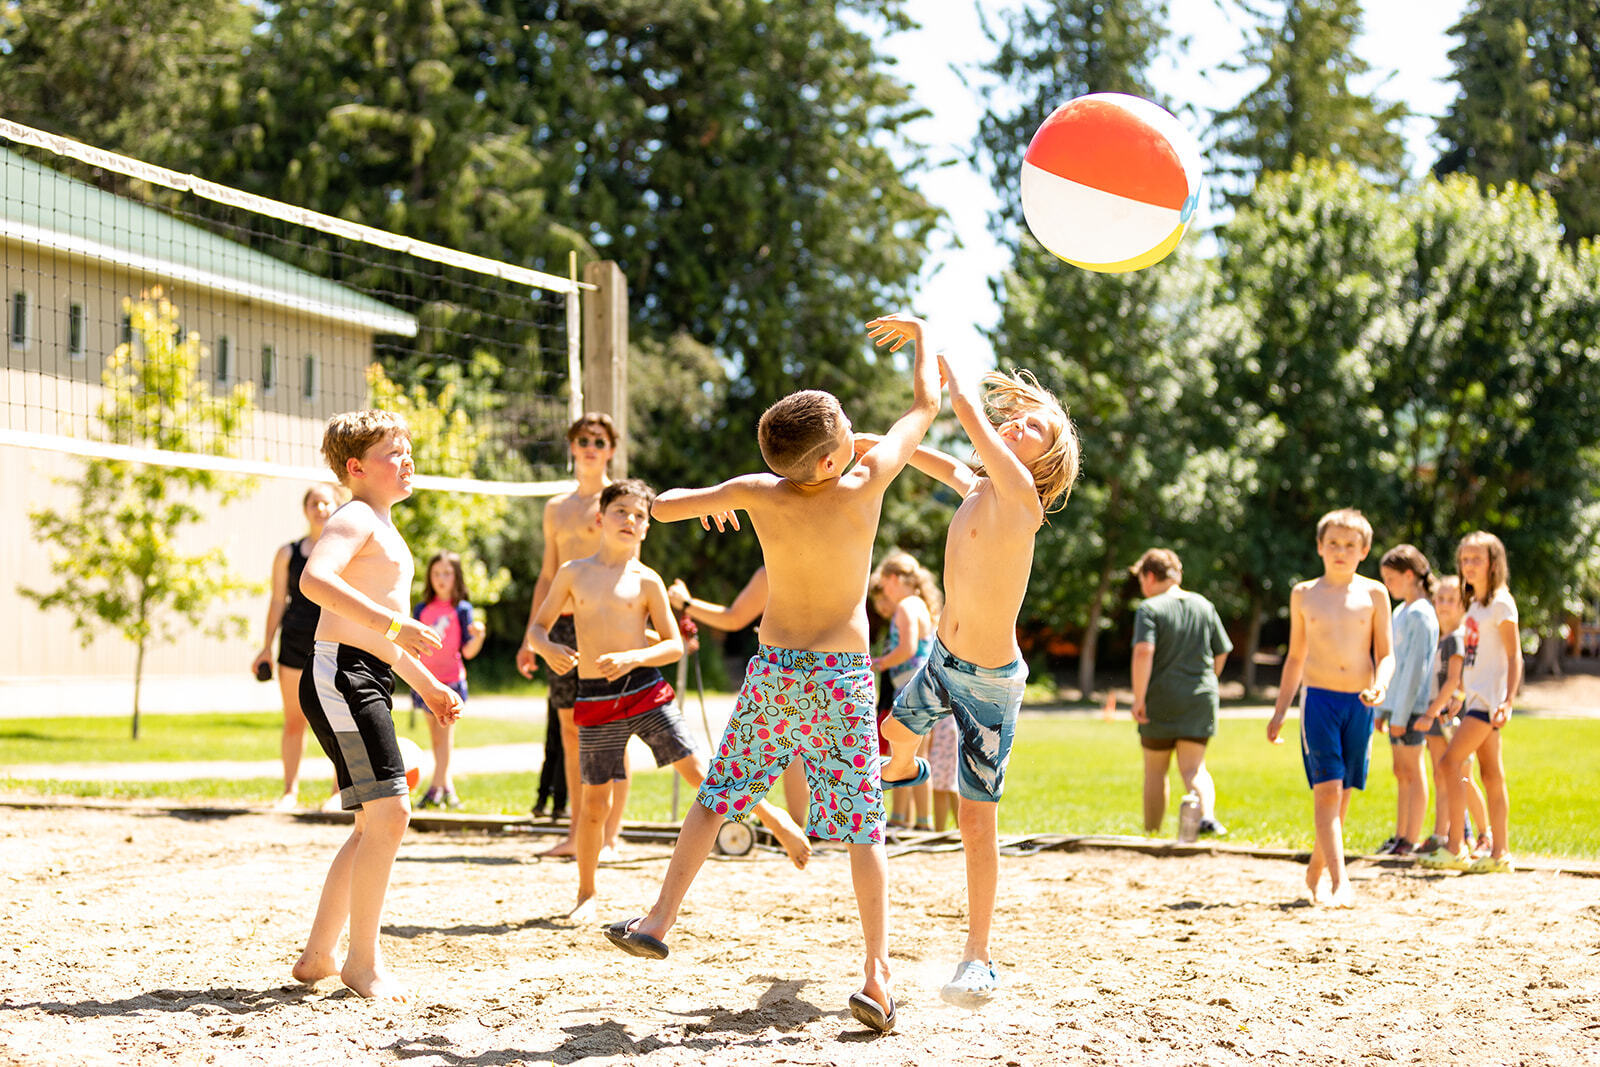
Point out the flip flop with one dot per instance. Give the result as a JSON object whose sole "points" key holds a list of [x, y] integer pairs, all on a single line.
{"points": [[923, 771], [870, 1013], [622, 935]]}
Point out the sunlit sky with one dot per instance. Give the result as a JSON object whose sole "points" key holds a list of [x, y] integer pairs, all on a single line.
{"points": [[1407, 45]]}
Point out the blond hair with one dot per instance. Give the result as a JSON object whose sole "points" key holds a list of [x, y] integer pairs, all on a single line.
{"points": [[1346, 519], [904, 565], [349, 435], [1499, 569], [797, 431], [1055, 471]]}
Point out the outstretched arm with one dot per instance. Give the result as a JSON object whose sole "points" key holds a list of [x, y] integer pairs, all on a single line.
{"points": [[891, 454], [715, 502], [1013, 482], [745, 609], [940, 466]]}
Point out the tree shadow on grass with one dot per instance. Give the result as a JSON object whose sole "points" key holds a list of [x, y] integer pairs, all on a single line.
{"points": [[230, 999]]}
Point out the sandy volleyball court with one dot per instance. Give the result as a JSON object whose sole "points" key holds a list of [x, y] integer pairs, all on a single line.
{"points": [[133, 937]]}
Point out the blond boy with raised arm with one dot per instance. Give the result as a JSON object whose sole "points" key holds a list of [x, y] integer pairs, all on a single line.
{"points": [[1341, 646], [360, 574], [808, 692], [975, 671]]}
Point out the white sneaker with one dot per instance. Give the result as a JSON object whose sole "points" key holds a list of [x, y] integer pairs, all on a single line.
{"points": [[974, 983]]}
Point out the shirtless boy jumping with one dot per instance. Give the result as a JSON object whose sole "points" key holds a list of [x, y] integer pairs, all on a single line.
{"points": [[808, 692], [1340, 644], [976, 672], [621, 694], [360, 573]]}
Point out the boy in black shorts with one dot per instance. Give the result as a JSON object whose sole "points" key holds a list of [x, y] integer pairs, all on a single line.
{"points": [[613, 599], [360, 573]]}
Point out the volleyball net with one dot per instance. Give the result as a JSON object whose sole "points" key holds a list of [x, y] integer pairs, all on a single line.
{"points": [[160, 318]]}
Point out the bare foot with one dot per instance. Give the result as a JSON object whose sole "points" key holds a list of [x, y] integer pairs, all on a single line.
{"points": [[793, 839], [609, 854], [565, 847], [897, 770], [375, 984], [287, 802], [333, 803], [585, 911], [1343, 897], [312, 967]]}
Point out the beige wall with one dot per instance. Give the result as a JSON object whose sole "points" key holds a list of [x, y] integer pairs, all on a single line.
{"points": [[45, 388]]}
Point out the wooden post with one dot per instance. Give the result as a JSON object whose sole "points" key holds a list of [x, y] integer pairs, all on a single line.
{"points": [[605, 351]]}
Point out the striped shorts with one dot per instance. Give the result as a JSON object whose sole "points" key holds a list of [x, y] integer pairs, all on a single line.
{"points": [[601, 748], [347, 695]]}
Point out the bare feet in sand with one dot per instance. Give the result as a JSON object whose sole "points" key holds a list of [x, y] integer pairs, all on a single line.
{"points": [[794, 841], [584, 912], [287, 802], [1343, 897], [610, 854], [1315, 890], [312, 967], [566, 847], [375, 984]]}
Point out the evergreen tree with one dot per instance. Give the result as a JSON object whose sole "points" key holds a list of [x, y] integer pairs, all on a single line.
{"points": [[1528, 103], [1305, 105]]}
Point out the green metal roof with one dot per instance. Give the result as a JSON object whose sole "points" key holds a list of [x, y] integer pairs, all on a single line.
{"points": [[42, 207]]}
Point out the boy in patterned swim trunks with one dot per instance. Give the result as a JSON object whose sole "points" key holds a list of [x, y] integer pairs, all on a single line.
{"points": [[808, 691], [620, 693], [975, 673], [360, 574]]}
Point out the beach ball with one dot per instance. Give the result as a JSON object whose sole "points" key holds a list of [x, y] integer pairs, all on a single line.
{"points": [[1110, 182], [411, 758]]}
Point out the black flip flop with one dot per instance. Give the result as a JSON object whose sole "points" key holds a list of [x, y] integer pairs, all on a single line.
{"points": [[870, 1013], [923, 771], [634, 943]]}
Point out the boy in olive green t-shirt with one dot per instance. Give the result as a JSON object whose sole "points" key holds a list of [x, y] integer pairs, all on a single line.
{"points": [[1179, 647]]}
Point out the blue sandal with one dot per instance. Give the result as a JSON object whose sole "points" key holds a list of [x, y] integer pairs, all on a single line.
{"points": [[923, 771]]}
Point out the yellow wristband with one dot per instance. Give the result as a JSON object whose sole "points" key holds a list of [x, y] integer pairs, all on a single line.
{"points": [[1459, 694], [394, 628]]}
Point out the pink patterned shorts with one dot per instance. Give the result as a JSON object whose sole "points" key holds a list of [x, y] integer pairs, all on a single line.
{"points": [[819, 706]]}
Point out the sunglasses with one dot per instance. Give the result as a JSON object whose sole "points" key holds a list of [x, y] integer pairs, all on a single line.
{"points": [[591, 442]]}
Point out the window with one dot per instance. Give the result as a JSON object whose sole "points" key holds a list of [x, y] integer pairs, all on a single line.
{"points": [[224, 359], [308, 377], [77, 331], [19, 319], [127, 329], [269, 369]]}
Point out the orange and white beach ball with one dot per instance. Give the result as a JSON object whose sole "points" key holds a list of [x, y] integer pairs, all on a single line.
{"points": [[1110, 182]]}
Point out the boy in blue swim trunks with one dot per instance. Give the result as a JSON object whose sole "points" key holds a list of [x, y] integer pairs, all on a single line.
{"points": [[808, 691], [975, 672], [1341, 646]]}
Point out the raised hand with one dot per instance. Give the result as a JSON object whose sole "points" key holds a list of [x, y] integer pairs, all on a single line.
{"points": [[896, 329]]}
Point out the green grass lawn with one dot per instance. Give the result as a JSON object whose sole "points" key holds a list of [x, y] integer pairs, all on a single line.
{"points": [[1067, 775]]}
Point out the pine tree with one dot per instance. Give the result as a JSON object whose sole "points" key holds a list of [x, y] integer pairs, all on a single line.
{"points": [[1305, 106], [1528, 103]]}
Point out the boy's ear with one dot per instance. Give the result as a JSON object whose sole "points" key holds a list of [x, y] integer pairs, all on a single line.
{"points": [[352, 467]]}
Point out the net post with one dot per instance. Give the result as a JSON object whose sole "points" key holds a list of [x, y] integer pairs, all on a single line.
{"points": [[575, 384], [605, 351]]}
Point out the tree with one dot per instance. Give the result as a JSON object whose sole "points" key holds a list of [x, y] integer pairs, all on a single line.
{"points": [[142, 77], [1528, 103], [1305, 106], [1311, 266], [119, 563]]}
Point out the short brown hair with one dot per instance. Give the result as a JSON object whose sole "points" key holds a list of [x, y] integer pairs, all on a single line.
{"points": [[1346, 519], [634, 487], [1158, 563], [797, 431], [349, 435], [593, 418], [1055, 471]]}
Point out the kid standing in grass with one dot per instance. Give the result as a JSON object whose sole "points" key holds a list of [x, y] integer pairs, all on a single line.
{"points": [[975, 673], [1340, 645], [360, 573], [1409, 579], [1451, 609], [910, 601], [448, 612], [808, 691], [1490, 677], [613, 598]]}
